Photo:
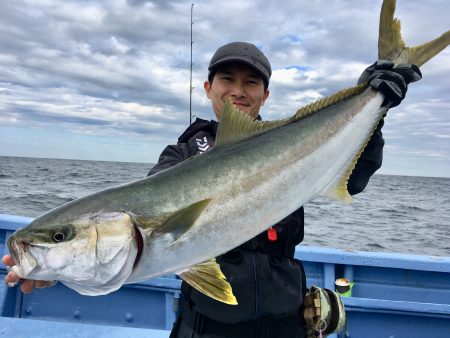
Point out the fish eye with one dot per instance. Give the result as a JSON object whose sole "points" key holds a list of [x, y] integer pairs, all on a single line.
{"points": [[59, 236]]}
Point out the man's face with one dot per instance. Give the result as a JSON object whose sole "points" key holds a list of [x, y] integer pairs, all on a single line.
{"points": [[240, 83]]}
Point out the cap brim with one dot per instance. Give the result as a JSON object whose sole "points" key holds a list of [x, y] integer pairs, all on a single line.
{"points": [[244, 60]]}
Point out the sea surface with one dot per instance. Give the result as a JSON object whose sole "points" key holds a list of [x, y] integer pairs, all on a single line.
{"points": [[402, 214]]}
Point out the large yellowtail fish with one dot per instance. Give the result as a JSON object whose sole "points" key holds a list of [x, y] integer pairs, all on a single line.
{"points": [[178, 220]]}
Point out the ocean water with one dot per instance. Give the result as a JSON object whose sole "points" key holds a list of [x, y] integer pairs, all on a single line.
{"points": [[394, 214]]}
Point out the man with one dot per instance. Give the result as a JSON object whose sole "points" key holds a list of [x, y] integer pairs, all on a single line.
{"points": [[268, 282], [266, 279]]}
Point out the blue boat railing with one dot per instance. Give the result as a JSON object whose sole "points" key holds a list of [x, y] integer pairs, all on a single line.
{"points": [[394, 295]]}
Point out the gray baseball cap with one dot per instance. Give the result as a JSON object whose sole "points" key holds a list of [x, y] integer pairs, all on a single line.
{"points": [[241, 52]]}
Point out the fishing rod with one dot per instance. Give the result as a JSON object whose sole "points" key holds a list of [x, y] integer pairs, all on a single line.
{"points": [[190, 73]]}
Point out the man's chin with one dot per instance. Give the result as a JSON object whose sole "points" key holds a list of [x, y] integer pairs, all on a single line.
{"points": [[244, 109]]}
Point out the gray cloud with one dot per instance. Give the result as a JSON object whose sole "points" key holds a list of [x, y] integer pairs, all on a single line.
{"points": [[122, 67]]}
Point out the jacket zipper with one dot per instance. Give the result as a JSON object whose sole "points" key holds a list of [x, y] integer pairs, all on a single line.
{"points": [[257, 286]]}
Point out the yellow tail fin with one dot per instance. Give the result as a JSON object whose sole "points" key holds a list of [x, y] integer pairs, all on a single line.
{"points": [[392, 47]]}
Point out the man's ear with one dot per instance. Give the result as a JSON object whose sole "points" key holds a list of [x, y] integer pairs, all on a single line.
{"points": [[265, 96], [207, 87]]}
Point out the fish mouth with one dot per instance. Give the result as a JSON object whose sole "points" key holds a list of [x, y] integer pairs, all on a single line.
{"points": [[25, 263], [14, 249]]}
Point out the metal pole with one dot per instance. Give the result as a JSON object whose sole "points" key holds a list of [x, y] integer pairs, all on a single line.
{"points": [[190, 73]]}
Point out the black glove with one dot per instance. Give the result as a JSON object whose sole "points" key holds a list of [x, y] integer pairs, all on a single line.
{"points": [[391, 82]]}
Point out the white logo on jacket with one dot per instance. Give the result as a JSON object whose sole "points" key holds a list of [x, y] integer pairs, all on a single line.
{"points": [[202, 144]]}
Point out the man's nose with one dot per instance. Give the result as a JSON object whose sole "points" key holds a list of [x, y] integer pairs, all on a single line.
{"points": [[238, 89]]}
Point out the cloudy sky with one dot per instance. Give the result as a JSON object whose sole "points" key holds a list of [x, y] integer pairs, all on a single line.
{"points": [[109, 80]]}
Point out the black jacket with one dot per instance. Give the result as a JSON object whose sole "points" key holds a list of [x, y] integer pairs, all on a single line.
{"points": [[265, 277]]}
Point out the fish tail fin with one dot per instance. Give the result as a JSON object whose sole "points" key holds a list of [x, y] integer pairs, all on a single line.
{"points": [[392, 47]]}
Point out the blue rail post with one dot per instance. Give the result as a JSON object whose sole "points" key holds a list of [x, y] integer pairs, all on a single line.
{"points": [[329, 276], [348, 272]]}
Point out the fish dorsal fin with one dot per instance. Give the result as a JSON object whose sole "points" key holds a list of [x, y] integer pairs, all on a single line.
{"points": [[180, 222], [392, 47], [207, 278], [235, 125], [328, 101]]}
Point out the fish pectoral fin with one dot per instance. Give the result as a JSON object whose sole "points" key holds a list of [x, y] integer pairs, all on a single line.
{"points": [[181, 221], [236, 125], [208, 279]]}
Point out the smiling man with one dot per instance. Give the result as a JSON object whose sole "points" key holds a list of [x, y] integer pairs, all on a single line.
{"points": [[243, 85], [241, 72], [268, 282]]}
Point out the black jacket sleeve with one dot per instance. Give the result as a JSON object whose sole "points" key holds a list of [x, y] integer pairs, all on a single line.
{"points": [[369, 162], [171, 155]]}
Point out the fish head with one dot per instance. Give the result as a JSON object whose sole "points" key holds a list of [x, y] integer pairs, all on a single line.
{"points": [[92, 254]]}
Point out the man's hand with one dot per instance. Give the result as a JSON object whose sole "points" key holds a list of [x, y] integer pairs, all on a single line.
{"points": [[391, 82], [26, 285]]}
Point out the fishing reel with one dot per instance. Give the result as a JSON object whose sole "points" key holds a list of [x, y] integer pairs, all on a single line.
{"points": [[324, 312]]}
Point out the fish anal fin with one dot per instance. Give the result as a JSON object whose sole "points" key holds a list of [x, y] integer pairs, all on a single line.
{"points": [[338, 190], [208, 279], [181, 221]]}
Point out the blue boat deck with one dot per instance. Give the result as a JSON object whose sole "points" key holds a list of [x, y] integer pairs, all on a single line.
{"points": [[394, 296]]}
